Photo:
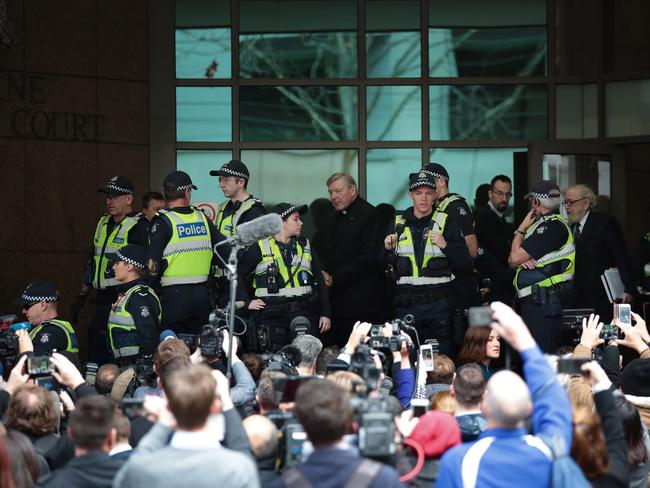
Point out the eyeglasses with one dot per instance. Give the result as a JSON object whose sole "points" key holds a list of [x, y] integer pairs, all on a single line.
{"points": [[569, 203], [30, 305], [501, 194]]}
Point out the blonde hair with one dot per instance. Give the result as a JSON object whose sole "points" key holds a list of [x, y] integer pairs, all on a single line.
{"points": [[349, 381], [443, 401]]}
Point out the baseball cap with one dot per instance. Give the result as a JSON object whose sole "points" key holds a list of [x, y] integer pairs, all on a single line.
{"points": [[178, 180], [118, 185], [132, 254], [232, 168], [417, 180], [285, 209], [543, 189], [41, 291]]}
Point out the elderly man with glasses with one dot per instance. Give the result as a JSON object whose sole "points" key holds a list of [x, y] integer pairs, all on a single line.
{"points": [[599, 245]]}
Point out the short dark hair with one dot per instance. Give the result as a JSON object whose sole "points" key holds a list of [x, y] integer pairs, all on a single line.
{"points": [[254, 363], [323, 409], [151, 195], [265, 391], [122, 425], [92, 421], [171, 193], [469, 384], [168, 349], [504, 178], [105, 379], [325, 357], [191, 392], [443, 370], [174, 364], [31, 410]]}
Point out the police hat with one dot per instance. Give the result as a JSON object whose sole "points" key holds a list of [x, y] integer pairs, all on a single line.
{"points": [[118, 185], [178, 180], [436, 170], [543, 189], [285, 209], [417, 180], [132, 254], [232, 168], [37, 292]]}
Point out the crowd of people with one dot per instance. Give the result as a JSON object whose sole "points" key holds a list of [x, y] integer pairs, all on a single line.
{"points": [[356, 359]]}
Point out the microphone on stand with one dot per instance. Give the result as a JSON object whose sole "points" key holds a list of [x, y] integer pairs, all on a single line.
{"points": [[255, 230]]}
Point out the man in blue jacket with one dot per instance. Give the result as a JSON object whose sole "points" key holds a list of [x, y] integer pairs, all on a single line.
{"points": [[504, 455]]}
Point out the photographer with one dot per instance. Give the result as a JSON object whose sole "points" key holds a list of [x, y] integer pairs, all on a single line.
{"points": [[282, 270], [324, 410], [39, 303], [134, 320]]}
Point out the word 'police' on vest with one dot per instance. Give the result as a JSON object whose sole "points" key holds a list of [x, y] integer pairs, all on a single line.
{"points": [[192, 229]]}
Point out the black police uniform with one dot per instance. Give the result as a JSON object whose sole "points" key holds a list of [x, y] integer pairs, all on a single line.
{"points": [[186, 306], [52, 337], [430, 305], [271, 324], [544, 319]]}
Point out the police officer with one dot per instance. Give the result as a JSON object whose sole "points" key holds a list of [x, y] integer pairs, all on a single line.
{"points": [[457, 209], [115, 229], [181, 240], [285, 276], [134, 321], [49, 333], [543, 254], [427, 251]]}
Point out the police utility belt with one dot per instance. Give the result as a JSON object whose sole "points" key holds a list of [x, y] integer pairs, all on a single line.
{"points": [[535, 293], [417, 295]]}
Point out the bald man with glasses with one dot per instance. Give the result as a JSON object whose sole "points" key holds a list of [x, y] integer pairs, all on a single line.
{"points": [[599, 245]]}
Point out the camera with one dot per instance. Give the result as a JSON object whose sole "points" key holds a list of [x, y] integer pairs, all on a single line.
{"points": [[376, 427], [132, 407], [39, 366], [378, 341], [211, 341], [479, 316], [286, 360], [8, 343]]}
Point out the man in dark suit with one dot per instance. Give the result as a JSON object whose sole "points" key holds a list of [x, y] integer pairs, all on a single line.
{"points": [[494, 235], [324, 410], [353, 268], [599, 245]]}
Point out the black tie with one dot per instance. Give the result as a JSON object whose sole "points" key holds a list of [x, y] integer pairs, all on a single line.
{"points": [[576, 231]]}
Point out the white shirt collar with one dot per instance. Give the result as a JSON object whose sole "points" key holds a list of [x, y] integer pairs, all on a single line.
{"points": [[494, 209], [194, 440], [120, 448], [468, 412], [583, 220]]}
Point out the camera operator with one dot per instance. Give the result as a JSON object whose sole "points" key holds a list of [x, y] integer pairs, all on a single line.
{"points": [[39, 304], [283, 270], [309, 347], [134, 320], [324, 410]]}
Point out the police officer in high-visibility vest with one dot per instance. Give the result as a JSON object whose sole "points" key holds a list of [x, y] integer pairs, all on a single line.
{"points": [[181, 241], [543, 254], [284, 275], [115, 229], [427, 249], [240, 207], [134, 322], [48, 333], [466, 283]]}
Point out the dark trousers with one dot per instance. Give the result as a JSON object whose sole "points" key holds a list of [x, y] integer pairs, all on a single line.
{"points": [[270, 331], [185, 308], [545, 330], [431, 322], [98, 351]]}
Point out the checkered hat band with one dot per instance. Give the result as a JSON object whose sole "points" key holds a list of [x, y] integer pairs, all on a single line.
{"points": [[289, 211], [113, 186], [34, 299], [225, 169], [129, 260], [544, 195], [434, 174], [184, 187], [428, 183]]}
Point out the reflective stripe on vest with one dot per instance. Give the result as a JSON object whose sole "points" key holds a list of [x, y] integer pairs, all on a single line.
{"points": [[448, 199], [189, 250], [73, 344], [566, 253], [228, 225], [405, 249], [121, 319], [290, 278], [105, 244]]}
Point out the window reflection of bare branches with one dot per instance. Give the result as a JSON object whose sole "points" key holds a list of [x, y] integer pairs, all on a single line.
{"points": [[203, 53]]}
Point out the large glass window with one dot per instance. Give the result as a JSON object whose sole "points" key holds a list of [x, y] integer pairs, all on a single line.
{"points": [[388, 175], [198, 165], [203, 39], [576, 108], [295, 176], [394, 113], [298, 113], [627, 108], [487, 112], [203, 114], [289, 39]]}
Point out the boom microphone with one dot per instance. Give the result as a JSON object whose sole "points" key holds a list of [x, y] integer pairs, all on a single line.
{"points": [[255, 230]]}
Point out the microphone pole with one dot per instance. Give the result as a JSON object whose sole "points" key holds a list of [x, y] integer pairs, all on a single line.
{"points": [[232, 276]]}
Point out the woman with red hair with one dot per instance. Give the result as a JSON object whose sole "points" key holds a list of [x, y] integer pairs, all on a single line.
{"points": [[482, 345]]}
